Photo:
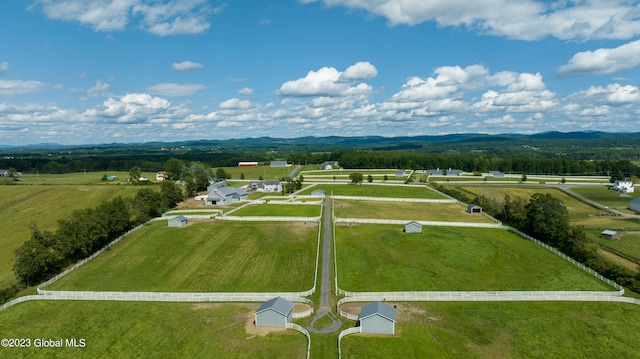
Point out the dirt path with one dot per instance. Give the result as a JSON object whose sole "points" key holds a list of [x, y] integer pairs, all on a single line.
{"points": [[618, 260]]}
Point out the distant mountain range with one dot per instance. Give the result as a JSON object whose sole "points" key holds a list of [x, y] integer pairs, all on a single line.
{"points": [[378, 142]]}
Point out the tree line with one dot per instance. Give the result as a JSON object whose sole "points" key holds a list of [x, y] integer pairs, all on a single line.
{"points": [[545, 218], [480, 163], [83, 233]]}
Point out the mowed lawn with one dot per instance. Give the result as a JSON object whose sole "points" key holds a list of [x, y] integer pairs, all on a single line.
{"points": [[43, 205], [446, 212], [384, 258], [279, 210], [541, 330], [145, 330], [204, 257], [376, 191]]}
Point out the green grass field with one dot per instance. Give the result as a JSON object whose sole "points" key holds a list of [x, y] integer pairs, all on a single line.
{"points": [[80, 178], [376, 191], [497, 192], [204, 257], [447, 212], [44, 205], [255, 172], [541, 330], [144, 330], [627, 242], [383, 258], [279, 210], [606, 197]]}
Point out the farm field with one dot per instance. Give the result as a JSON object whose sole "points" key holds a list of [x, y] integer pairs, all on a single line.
{"points": [[79, 178], [497, 192], [627, 243], [145, 330], [204, 257], [504, 330], [606, 197], [255, 172], [279, 210], [43, 205], [447, 212], [376, 191], [384, 258]]}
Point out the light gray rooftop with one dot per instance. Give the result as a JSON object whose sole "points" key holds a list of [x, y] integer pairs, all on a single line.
{"points": [[277, 304], [378, 308]]}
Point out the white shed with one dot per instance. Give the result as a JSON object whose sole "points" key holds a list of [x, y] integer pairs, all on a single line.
{"points": [[179, 221], [378, 318], [276, 312], [413, 227]]}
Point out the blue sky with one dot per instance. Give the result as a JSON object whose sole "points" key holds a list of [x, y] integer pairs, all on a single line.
{"points": [[102, 71]]}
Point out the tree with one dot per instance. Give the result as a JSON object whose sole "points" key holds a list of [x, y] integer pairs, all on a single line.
{"points": [[563, 180], [356, 178], [241, 175], [369, 179], [524, 178], [171, 194], [173, 167], [221, 174], [386, 177], [38, 258], [547, 219], [134, 174]]}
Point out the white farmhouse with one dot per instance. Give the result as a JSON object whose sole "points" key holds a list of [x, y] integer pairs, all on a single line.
{"points": [[623, 186]]}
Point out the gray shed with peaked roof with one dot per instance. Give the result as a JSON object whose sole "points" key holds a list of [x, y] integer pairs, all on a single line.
{"points": [[413, 227], [377, 318], [609, 234], [179, 221], [276, 312], [474, 208]]}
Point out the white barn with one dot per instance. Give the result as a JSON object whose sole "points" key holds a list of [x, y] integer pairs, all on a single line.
{"points": [[623, 186]]}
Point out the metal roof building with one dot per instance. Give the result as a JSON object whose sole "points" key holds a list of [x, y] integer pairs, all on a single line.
{"points": [[179, 221], [276, 312], [377, 318], [413, 227]]}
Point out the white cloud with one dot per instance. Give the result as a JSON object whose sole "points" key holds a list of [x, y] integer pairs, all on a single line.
{"points": [[235, 103], [172, 17], [612, 95], [4, 67], [245, 91], [602, 61], [173, 89], [522, 19], [187, 66], [361, 71], [99, 89], [19, 87], [328, 81]]}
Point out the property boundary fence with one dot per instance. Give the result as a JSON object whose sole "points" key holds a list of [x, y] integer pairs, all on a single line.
{"points": [[267, 218], [306, 334], [389, 199], [182, 211], [425, 223]]}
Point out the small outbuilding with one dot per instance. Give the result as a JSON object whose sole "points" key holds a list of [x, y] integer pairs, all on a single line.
{"points": [[474, 208], [276, 312], [278, 164], [609, 234], [378, 318], [635, 204], [413, 227], [179, 221], [400, 173], [318, 193]]}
